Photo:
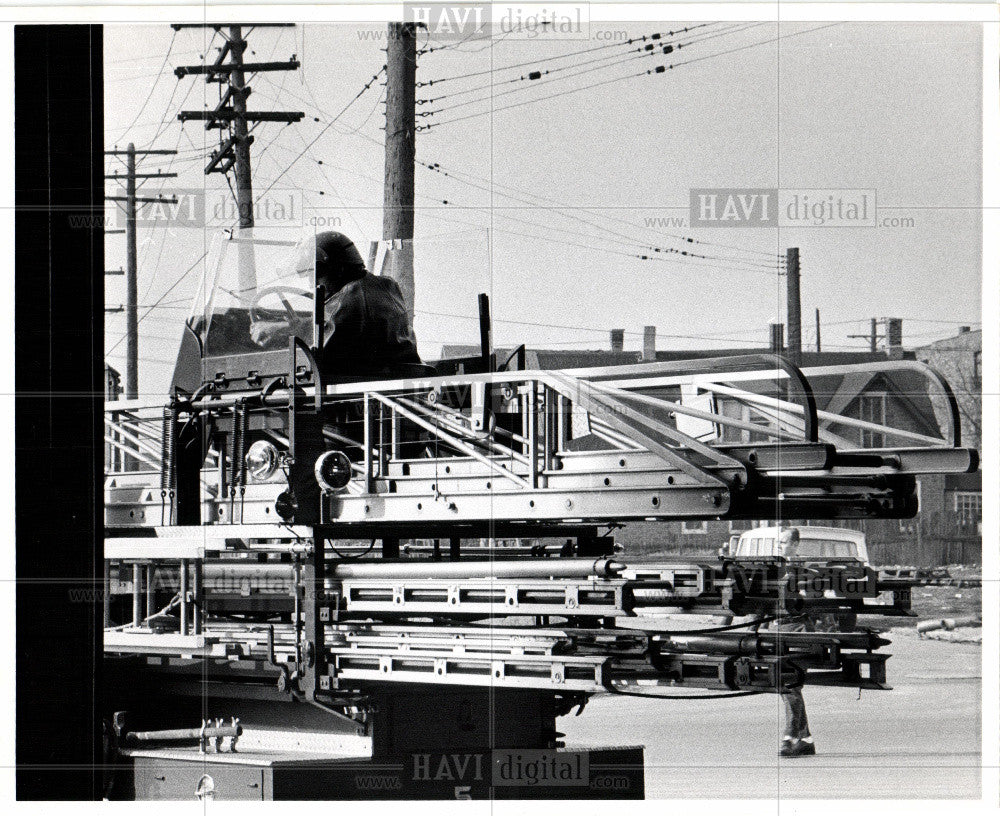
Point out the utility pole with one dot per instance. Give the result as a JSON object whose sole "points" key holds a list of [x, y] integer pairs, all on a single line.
{"points": [[232, 115], [130, 200], [819, 347], [794, 306], [872, 337], [400, 133]]}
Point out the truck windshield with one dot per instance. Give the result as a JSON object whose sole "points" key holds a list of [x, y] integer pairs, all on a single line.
{"points": [[255, 294]]}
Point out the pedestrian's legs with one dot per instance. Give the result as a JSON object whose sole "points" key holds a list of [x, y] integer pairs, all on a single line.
{"points": [[797, 740]]}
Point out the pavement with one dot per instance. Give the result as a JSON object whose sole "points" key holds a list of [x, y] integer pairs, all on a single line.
{"points": [[920, 740]]}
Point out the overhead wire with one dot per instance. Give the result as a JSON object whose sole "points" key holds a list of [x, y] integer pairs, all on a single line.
{"points": [[659, 69], [536, 79], [773, 261], [330, 124], [500, 68]]}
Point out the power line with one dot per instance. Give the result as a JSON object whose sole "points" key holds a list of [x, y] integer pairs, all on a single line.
{"points": [[605, 332], [659, 69], [545, 77], [330, 124], [773, 260], [666, 256], [149, 96], [645, 38], [631, 240], [162, 297]]}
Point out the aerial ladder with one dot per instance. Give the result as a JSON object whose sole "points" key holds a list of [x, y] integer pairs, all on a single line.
{"points": [[308, 574]]}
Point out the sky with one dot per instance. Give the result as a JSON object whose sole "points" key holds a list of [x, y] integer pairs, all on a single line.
{"points": [[546, 205]]}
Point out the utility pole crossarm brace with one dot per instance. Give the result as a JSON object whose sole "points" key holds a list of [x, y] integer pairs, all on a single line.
{"points": [[143, 199], [254, 67], [138, 152], [140, 175], [228, 115], [222, 26]]}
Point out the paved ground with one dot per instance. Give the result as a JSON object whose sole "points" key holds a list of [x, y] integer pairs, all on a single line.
{"points": [[920, 740]]}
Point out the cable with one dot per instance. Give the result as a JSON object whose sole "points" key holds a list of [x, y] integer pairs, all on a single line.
{"points": [[159, 74], [611, 687], [643, 52], [660, 69], [492, 96], [753, 45], [173, 286], [355, 557], [166, 115], [330, 124], [562, 210], [620, 253], [579, 328], [755, 266], [647, 37]]}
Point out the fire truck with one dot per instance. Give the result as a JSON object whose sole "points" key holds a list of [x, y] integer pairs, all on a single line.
{"points": [[304, 593]]}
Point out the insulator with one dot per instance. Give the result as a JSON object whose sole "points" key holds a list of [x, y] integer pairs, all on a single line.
{"points": [[535, 75]]}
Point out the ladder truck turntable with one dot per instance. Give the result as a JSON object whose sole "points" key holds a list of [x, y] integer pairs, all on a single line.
{"points": [[265, 503]]}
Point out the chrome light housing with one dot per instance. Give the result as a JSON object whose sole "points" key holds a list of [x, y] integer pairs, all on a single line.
{"points": [[262, 460], [333, 471]]}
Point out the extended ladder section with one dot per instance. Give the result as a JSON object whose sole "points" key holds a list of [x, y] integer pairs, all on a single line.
{"points": [[731, 438]]}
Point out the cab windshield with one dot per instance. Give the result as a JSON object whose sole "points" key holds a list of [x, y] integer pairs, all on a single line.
{"points": [[256, 293]]}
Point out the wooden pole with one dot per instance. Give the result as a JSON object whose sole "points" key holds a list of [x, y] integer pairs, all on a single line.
{"points": [[400, 133], [131, 283], [794, 306], [241, 150]]}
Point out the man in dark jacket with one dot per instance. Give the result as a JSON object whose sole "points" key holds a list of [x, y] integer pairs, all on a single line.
{"points": [[367, 330]]}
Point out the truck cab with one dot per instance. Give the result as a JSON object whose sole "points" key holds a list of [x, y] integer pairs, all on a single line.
{"points": [[816, 544]]}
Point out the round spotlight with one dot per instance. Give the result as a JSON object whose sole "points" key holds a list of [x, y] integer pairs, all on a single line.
{"points": [[286, 505], [261, 460], [333, 471]]}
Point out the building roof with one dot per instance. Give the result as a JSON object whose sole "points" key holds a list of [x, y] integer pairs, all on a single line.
{"points": [[834, 392], [547, 359], [964, 340]]}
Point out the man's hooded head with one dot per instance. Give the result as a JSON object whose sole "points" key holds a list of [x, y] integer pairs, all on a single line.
{"points": [[337, 260]]}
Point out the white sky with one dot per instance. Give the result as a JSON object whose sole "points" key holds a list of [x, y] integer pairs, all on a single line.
{"points": [[894, 107]]}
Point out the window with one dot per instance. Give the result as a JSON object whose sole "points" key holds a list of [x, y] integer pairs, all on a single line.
{"points": [[826, 548], [734, 409], [694, 527], [872, 409], [969, 508], [739, 525]]}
